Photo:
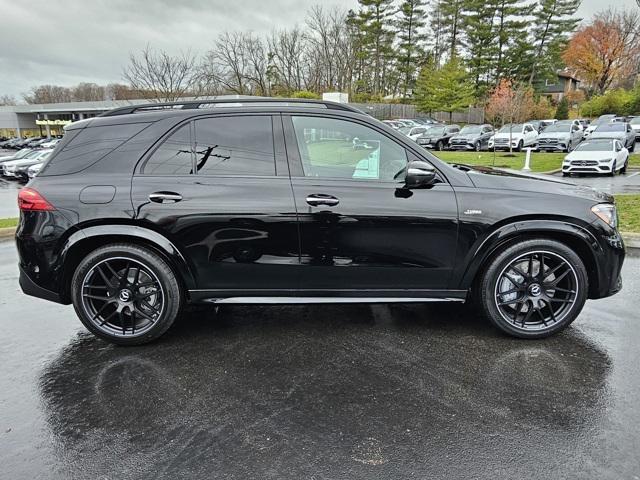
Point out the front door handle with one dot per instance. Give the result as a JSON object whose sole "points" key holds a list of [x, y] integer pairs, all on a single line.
{"points": [[165, 197], [317, 199]]}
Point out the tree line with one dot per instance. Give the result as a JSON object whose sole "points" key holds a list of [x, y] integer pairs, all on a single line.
{"points": [[439, 54]]}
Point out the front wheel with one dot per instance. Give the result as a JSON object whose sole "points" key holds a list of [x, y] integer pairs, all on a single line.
{"points": [[624, 167], [534, 288], [439, 145], [126, 294], [520, 146], [477, 146]]}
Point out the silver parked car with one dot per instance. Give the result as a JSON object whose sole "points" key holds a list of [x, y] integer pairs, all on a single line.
{"points": [[564, 135], [619, 131], [472, 137]]}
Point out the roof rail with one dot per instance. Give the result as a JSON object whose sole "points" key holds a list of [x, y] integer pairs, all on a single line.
{"points": [[228, 102]]}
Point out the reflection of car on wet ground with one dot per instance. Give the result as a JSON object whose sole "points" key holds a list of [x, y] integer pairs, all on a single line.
{"points": [[597, 155]]}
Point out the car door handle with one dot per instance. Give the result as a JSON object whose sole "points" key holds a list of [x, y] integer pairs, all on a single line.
{"points": [[317, 199], [165, 197]]}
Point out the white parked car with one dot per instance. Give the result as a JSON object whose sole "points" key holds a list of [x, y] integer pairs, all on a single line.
{"points": [[33, 170], [415, 132], [408, 122], [635, 125], [597, 155], [601, 120], [515, 136], [8, 169], [51, 143]]}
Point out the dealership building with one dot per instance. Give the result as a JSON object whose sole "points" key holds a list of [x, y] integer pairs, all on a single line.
{"points": [[48, 119]]}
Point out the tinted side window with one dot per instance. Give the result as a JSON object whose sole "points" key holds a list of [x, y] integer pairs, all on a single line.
{"points": [[234, 146], [173, 157], [334, 148], [89, 145]]}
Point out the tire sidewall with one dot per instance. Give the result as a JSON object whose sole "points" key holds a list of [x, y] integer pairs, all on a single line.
{"points": [[152, 261], [499, 262]]}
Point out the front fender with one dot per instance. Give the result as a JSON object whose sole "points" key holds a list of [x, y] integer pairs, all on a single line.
{"points": [[485, 247]]}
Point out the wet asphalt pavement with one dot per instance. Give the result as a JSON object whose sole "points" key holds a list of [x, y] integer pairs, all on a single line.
{"points": [[320, 392]]}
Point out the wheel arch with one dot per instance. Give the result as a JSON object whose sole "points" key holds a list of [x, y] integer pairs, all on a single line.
{"points": [[574, 236], [88, 239]]}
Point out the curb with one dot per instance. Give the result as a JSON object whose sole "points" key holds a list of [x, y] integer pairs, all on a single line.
{"points": [[7, 233]]}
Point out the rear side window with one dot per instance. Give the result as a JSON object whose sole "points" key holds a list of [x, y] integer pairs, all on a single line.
{"points": [[234, 146], [88, 146], [174, 156]]}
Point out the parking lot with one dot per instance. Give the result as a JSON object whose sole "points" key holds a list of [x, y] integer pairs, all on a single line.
{"points": [[324, 392]]}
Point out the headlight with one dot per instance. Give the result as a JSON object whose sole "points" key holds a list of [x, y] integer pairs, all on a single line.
{"points": [[607, 213]]}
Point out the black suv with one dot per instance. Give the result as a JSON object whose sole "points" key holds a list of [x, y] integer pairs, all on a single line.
{"points": [[149, 208]]}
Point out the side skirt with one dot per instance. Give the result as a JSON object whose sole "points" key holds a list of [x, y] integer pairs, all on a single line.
{"points": [[278, 297]]}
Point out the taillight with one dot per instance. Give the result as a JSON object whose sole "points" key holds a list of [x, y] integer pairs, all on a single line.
{"points": [[31, 200]]}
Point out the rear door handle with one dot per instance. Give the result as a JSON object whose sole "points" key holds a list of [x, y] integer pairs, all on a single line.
{"points": [[165, 197], [316, 199]]}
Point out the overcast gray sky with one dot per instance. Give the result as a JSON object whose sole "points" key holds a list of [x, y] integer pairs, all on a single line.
{"points": [[65, 42]]}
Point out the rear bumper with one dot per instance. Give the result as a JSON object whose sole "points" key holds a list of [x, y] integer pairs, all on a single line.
{"points": [[29, 287]]}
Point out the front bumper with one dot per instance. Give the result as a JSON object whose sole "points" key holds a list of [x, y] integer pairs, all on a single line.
{"points": [[588, 166]]}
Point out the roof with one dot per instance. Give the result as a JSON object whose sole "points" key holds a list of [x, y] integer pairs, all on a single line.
{"points": [[565, 74]]}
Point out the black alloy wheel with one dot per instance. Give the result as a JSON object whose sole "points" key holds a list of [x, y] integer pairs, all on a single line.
{"points": [[125, 294], [534, 288]]}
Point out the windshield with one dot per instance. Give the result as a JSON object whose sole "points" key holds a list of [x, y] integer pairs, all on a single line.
{"points": [[514, 127], [471, 129], [435, 131], [558, 127], [611, 127], [603, 119], [593, 146], [33, 154], [405, 130]]}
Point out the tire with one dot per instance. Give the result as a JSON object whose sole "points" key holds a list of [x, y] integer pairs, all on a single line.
{"points": [[477, 146], [528, 321], [126, 294], [612, 173], [565, 174], [439, 145], [520, 146], [624, 167], [633, 147]]}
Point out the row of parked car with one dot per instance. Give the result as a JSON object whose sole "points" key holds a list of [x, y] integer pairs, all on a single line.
{"points": [[19, 143], [23, 164], [543, 135]]}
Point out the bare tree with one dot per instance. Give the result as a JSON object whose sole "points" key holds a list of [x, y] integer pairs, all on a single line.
{"points": [[287, 62], [48, 94], [7, 100], [85, 92], [225, 65], [166, 77]]}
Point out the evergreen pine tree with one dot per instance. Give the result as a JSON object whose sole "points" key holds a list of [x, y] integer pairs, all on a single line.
{"points": [[411, 37]]}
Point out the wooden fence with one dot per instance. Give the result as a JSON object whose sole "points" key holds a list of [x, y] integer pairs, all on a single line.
{"points": [[389, 111]]}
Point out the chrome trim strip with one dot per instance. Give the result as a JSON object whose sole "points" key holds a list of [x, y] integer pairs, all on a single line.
{"points": [[296, 300]]}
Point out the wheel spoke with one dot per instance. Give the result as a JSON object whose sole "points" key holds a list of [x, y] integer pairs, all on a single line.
{"points": [[104, 277], [147, 284], [541, 270], [510, 302], [133, 320], [529, 312], [512, 279], [559, 289], [519, 309], [553, 270], [509, 292], [561, 300], [555, 281], [519, 271], [98, 297], [148, 305], [109, 317], [531, 264], [144, 315], [544, 320], [113, 272], [147, 295], [97, 314]]}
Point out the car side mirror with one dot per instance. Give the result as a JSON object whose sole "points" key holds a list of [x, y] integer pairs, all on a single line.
{"points": [[419, 174]]}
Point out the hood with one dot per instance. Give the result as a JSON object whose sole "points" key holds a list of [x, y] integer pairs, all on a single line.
{"points": [[470, 137], [585, 155], [616, 135], [487, 177], [506, 135], [554, 135]]}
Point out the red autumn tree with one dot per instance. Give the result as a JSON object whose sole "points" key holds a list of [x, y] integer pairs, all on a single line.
{"points": [[606, 51]]}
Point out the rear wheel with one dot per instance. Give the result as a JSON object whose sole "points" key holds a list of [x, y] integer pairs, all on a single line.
{"points": [[534, 289], [126, 294]]}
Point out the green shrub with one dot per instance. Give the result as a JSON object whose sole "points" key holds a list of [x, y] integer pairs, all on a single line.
{"points": [[562, 112]]}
